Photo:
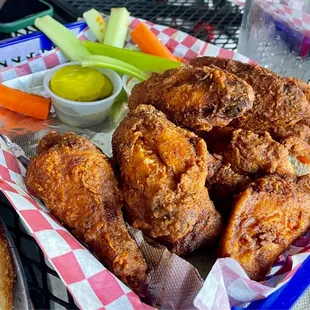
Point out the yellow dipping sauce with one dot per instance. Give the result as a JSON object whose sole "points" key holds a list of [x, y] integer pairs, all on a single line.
{"points": [[80, 84]]}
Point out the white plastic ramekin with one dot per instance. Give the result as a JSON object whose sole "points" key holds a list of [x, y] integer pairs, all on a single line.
{"points": [[83, 114]]}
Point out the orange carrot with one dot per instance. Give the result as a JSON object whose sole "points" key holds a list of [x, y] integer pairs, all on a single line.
{"points": [[149, 43], [24, 103], [180, 59]]}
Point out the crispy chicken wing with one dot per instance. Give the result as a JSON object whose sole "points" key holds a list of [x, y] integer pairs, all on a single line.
{"points": [[77, 184], [298, 145], [257, 154], [245, 156], [279, 102], [7, 273], [267, 217], [303, 86], [163, 172], [195, 98]]}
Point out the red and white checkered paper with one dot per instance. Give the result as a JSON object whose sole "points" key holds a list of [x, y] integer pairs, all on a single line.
{"points": [[91, 284], [290, 12], [295, 19], [178, 42]]}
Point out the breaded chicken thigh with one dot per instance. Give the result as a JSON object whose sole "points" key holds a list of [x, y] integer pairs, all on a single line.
{"points": [[279, 102], [267, 217], [163, 170], [254, 154], [195, 98]]}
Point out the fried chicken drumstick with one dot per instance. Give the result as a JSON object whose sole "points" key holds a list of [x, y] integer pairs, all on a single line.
{"points": [[195, 98], [279, 102], [77, 184], [267, 217], [163, 172]]}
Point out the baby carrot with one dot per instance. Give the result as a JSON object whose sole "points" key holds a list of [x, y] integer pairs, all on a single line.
{"points": [[24, 103], [180, 59], [149, 43]]}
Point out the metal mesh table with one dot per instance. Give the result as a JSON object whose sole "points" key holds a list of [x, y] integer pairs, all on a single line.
{"points": [[214, 21], [46, 289]]}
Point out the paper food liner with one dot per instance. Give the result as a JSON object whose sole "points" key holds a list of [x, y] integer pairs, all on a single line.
{"points": [[172, 283]]}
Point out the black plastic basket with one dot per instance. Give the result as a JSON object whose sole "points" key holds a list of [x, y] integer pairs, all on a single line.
{"points": [[40, 277]]}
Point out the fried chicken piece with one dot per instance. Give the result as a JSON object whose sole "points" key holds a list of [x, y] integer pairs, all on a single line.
{"points": [[279, 103], [195, 98], [163, 171], [305, 88], [7, 271], [257, 154], [301, 126], [85, 197], [223, 184], [245, 156], [298, 145], [267, 217]]}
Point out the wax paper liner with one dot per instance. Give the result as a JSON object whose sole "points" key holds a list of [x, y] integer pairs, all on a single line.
{"points": [[172, 283]]}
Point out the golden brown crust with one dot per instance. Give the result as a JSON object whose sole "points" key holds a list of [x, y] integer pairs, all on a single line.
{"points": [[267, 217], [85, 197], [163, 171], [303, 86], [298, 147], [69, 139], [195, 98], [7, 272], [279, 102], [246, 156], [257, 154]]}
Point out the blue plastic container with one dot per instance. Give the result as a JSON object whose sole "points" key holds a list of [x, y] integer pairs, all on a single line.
{"points": [[31, 43]]}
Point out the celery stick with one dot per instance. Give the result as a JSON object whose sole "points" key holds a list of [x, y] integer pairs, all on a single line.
{"points": [[96, 23], [62, 37], [140, 60], [114, 64], [117, 27]]}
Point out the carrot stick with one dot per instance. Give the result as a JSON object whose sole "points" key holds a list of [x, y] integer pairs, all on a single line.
{"points": [[24, 103], [180, 59], [149, 43]]}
